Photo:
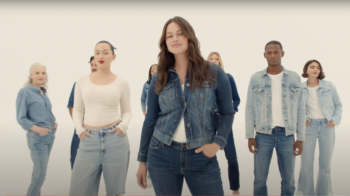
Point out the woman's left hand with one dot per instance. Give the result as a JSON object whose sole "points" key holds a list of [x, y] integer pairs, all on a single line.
{"points": [[330, 124], [119, 131], [209, 150], [55, 125]]}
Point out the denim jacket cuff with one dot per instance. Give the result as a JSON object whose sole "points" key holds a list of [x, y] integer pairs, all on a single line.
{"points": [[27, 125], [300, 137], [219, 141], [249, 135], [142, 158]]}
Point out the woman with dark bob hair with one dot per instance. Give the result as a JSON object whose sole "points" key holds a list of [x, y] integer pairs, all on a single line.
{"points": [[323, 113], [178, 139]]}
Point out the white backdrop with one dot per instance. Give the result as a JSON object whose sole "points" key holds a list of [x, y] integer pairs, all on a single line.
{"points": [[63, 36]]}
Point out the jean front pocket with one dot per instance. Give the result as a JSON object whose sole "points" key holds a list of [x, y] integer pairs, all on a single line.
{"points": [[155, 144], [205, 156]]}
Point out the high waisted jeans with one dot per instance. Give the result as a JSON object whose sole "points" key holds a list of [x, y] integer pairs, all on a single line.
{"points": [[326, 138], [168, 166], [40, 148], [104, 152]]}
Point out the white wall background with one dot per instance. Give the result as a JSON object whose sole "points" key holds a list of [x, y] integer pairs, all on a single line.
{"points": [[62, 35]]}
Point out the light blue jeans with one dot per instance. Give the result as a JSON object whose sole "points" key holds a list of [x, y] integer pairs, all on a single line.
{"points": [[286, 160], [40, 148], [107, 152], [326, 138]]}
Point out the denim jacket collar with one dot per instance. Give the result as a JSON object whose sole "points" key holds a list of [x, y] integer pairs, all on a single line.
{"points": [[285, 71], [321, 85], [35, 89]]}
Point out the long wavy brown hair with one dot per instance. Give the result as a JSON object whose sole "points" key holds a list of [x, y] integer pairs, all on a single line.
{"points": [[198, 70]]}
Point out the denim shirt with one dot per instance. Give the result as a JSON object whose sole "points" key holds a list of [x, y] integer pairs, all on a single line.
{"points": [[166, 109], [71, 98], [33, 108], [331, 105], [258, 114], [144, 96]]}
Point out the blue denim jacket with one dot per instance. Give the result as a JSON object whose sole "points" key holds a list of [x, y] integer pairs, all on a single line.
{"points": [[331, 105], [144, 96], [258, 114], [166, 109], [33, 108]]}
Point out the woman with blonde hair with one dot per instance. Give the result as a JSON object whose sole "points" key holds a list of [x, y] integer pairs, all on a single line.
{"points": [[230, 149], [34, 114]]}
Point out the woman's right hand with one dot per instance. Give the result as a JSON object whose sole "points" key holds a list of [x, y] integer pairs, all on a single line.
{"points": [[42, 131], [308, 123], [83, 135], [141, 175], [144, 112]]}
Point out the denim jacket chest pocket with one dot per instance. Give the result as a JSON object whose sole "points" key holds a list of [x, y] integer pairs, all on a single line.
{"points": [[326, 97], [294, 92], [168, 97], [259, 93]]}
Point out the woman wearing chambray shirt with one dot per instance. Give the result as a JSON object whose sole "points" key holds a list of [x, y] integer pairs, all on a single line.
{"points": [[178, 139], [151, 72], [35, 116], [323, 112]]}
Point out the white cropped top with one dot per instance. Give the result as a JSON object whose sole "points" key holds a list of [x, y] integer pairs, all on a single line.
{"points": [[101, 103]]}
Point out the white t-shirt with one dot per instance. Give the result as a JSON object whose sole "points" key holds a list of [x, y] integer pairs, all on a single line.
{"points": [[180, 133], [277, 106], [313, 107], [101, 103]]}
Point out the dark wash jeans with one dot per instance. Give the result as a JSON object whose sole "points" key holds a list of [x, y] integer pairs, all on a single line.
{"points": [[169, 165], [231, 156], [74, 148]]}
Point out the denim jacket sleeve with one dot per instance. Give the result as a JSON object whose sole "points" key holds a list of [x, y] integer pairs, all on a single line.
{"points": [[301, 116], [21, 109], [336, 118], [150, 121], [249, 113], [224, 104], [143, 97], [235, 96], [71, 98]]}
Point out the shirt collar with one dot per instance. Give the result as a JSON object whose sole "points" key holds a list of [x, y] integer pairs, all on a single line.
{"points": [[35, 89], [283, 70]]}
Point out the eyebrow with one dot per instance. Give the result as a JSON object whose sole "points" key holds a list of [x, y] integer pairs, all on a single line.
{"points": [[176, 31], [102, 50]]}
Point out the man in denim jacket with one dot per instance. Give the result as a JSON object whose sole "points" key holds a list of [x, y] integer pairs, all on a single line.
{"points": [[275, 109]]}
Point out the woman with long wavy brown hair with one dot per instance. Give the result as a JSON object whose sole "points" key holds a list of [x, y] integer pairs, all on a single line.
{"points": [[178, 138]]}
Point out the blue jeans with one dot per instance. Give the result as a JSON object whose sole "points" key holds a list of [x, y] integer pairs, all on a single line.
{"points": [[104, 152], [74, 148], [326, 138], [286, 160], [169, 165], [40, 148], [231, 156]]}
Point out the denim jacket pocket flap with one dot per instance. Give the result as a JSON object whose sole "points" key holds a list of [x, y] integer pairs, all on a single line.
{"points": [[294, 89], [258, 89], [155, 143], [169, 85], [206, 84]]}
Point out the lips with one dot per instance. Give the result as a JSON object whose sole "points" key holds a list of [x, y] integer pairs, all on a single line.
{"points": [[176, 45], [101, 61]]}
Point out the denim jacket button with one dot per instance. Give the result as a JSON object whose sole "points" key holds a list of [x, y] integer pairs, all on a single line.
{"points": [[188, 84], [185, 104], [188, 125]]}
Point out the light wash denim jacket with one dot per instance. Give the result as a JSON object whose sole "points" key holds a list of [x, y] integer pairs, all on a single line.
{"points": [[166, 109], [33, 108], [258, 114], [331, 105], [144, 96]]}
